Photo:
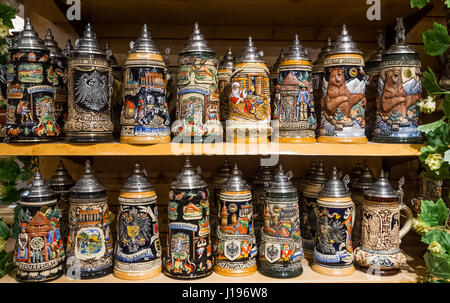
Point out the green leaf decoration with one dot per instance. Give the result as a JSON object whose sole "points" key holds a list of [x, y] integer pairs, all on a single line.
{"points": [[446, 156], [8, 170], [418, 3], [440, 236], [447, 2], [436, 40], [438, 265], [4, 231], [446, 104], [430, 84], [432, 213], [426, 128]]}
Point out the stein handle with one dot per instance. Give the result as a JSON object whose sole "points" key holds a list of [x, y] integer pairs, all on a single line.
{"points": [[409, 216]]}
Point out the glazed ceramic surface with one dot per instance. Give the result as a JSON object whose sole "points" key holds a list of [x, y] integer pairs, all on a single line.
{"points": [[224, 74]]}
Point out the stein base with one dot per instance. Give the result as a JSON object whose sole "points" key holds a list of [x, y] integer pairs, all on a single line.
{"points": [[144, 139], [234, 272], [407, 140], [96, 274], [333, 271], [21, 278], [249, 140], [297, 140], [178, 277], [136, 275], [30, 140], [349, 140], [380, 272], [90, 139], [280, 274]]}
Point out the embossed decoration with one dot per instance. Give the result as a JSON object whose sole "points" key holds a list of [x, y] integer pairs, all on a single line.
{"points": [[189, 249], [235, 239], [343, 94], [30, 113], [39, 252], [224, 74], [89, 92], [399, 90]]}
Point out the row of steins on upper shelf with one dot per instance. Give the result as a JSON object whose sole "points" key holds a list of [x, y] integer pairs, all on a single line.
{"points": [[84, 95], [266, 226]]}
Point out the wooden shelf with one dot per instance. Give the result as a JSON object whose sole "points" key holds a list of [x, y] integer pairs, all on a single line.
{"points": [[169, 149]]}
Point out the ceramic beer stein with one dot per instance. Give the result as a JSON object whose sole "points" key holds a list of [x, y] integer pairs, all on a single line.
{"points": [[357, 188], [356, 172], [259, 187], [189, 252], [61, 182], [294, 108], [39, 250], [198, 111], [333, 250], [379, 253], [138, 249], [30, 112], [236, 248], [249, 104], [273, 81], [117, 90], [58, 75], [399, 90], [89, 92], [343, 100], [224, 74], [373, 72], [89, 243], [317, 81], [308, 206], [222, 176], [145, 114], [280, 251]]}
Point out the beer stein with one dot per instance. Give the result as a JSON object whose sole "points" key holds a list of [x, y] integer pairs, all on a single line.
{"points": [[61, 182], [280, 251], [379, 253], [89, 243], [89, 92], [224, 75], [294, 104], [58, 75], [145, 113], [138, 249], [198, 111], [39, 250], [189, 252], [399, 90], [259, 186], [308, 206], [273, 80], [30, 112], [333, 250], [236, 248], [249, 104], [343, 100]]}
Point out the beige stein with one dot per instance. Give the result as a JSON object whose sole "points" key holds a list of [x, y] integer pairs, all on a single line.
{"points": [[379, 253]]}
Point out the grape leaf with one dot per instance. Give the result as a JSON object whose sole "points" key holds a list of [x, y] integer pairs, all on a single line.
{"points": [[440, 236], [418, 3], [433, 213], [438, 265], [436, 40], [446, 104], [430, 84], [4, 231], [426, 128], [8, 170]]}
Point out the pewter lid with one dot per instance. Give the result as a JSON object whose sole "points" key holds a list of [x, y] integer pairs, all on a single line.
{"points": [[188, 178], [375, 59], [326, 49], [68, 49], [336, 188], [263, 177], [382, 188], [319, 176], [365, 180], [357, 171], [52, 45], [38, 190], [28, 39], [235, 182], [250, 53], [225, 170], [196, 43], [144, 44], [399, 47], [88, 44], [228, 60], [110, 56], [296, 51], [344, 44], [281, 182], [311, 170], [279, 59], [88, 182], [137, 182], [61, 177]]}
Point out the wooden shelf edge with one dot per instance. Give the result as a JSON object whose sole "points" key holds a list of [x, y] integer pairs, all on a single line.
{"points": [[180, 149]]}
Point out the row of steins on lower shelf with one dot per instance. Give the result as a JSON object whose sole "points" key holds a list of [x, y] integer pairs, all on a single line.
{"points": [[65, 225]]}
